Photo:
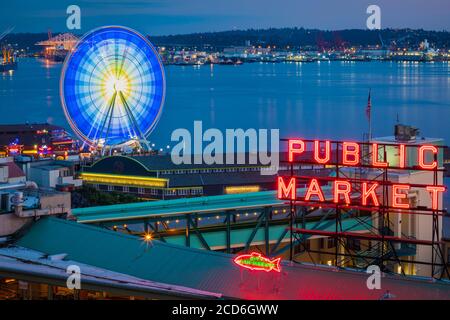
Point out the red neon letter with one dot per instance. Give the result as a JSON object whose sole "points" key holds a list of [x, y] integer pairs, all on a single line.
{"points": [[314, 189], [353, 152], [398, 196], [402, 155], [317, 152], [287, 192], [422, 163], [375, 161], [295, 146], [435, 195], [366, 193], [342, 191]]}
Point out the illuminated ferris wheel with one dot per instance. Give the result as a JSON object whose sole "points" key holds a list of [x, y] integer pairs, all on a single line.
{"points": [[112, 87]]}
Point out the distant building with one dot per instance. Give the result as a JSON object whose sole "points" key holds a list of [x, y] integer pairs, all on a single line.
{"points": [[53, 174], [21, 201], [35, 140], [10, 172], [157, 177]]}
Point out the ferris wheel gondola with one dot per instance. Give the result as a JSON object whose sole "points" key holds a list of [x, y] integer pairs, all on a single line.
{"points": [[113, 87]]}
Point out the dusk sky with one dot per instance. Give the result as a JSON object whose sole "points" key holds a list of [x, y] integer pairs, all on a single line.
{"points": [[160, 17]]}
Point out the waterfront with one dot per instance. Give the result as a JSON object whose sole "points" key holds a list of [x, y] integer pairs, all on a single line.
{"points": [[315, 100]]}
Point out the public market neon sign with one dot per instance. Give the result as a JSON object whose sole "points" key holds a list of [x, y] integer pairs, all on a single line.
{"points": [[354, 191]]}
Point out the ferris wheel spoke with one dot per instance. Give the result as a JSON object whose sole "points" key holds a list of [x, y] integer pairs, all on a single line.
{"points": [[122, 62], [109, 114], [130, 115]]}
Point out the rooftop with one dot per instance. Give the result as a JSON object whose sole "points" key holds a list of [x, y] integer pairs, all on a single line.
{"points": [[39, 266], [418, 140], [212, 271]]}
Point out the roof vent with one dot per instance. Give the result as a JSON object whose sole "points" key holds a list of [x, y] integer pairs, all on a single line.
{"points": [[405, 133]]}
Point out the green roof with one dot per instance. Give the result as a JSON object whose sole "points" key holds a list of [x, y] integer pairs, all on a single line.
{"points": [[140, 210], [208, 270]]}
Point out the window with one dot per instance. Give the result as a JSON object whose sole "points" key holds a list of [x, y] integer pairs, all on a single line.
{"points": [[331, 243], [118, 188], [304, 246], [170, 192], [197, 191], [125, 189], [183, 192], [354, 244], [322, 243], [133, 190], [141, 190]]}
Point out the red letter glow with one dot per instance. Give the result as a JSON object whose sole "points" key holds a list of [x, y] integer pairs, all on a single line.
{"points": [[422, 163], [317, 152], [399, 196], [350, 149], [375, 161], [314, 190], [402, 155], [366, 193], [295, 146], [435, 195], [342, 188], [287, 192]]}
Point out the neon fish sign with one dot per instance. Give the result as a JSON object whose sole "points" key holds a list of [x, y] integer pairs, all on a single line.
{"points": [[255, 261]]}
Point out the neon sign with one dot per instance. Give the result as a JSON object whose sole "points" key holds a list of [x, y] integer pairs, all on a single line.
{"points": [[255, 261], [356, 191]]}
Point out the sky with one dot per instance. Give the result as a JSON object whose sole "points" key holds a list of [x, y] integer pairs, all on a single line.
{"points": [[163, 17]]}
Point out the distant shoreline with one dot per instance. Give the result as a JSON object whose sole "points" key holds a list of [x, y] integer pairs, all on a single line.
{"points": [[294, 38]]}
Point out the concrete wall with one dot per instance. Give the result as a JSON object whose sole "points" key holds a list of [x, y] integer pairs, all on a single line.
{"points": [[44, 178], [10, 223]]}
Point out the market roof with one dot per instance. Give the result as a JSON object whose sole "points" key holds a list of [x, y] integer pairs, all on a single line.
{"points": [[34, 265], [213, 271], [176, 206]]}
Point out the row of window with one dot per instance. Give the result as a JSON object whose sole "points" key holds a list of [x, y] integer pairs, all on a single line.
{"points": [[217, 170], [151, 191]]}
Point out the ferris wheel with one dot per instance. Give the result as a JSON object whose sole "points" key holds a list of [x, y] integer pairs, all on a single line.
{"points": [[112, 87]]}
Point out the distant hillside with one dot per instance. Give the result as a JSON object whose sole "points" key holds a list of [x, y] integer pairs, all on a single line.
{"points": [[25, 40], [281, 37], [295, 37]]}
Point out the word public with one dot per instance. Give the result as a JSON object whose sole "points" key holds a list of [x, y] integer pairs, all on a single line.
{"points": [[349, 154]]}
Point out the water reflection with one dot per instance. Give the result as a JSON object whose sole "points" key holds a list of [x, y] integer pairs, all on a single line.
{"points": [[307, 99]]}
